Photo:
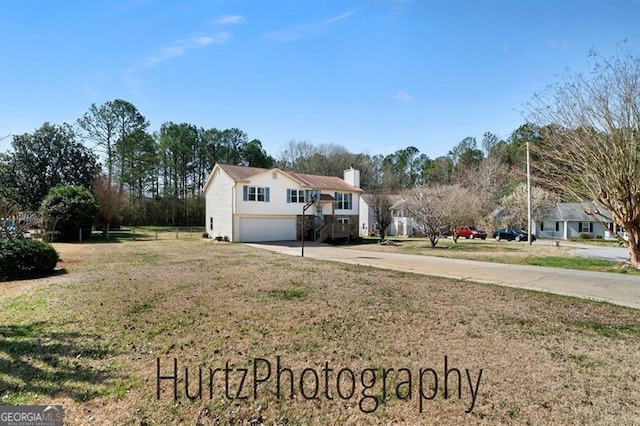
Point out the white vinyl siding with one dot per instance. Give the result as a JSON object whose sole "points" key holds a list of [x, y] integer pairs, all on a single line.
{"points": [[219, 206]]}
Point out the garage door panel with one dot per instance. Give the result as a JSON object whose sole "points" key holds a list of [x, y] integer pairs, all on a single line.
{"points": [[254, 229]]}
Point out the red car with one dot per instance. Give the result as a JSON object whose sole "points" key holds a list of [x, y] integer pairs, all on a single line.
{"points": [[471, 232]]}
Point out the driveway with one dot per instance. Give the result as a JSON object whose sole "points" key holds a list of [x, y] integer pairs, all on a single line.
{"points": [[619, 289], [613, 253]]}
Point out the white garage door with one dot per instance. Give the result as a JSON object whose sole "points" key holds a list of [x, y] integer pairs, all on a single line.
{"points": [[267, 229]]}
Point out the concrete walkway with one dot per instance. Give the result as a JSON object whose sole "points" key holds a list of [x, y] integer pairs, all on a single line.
{"points": [[619, 289]]}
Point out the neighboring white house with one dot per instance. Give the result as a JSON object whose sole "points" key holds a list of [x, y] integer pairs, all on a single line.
{"points": [[401, 224], [367, 217], [250, 204], [569, 220]]}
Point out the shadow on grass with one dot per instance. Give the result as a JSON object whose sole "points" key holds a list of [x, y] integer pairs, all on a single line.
{"points": [[54, 273], [34, 360]]}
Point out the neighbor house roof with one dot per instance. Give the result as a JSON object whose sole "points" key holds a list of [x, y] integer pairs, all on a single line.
{"points": [[577, 212], [242, 173]]}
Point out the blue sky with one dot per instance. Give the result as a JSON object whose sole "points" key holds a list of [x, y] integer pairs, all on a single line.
{"points": [[372, 75]]}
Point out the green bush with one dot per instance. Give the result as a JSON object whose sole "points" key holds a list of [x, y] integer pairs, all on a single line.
{"points": [[26, 258], [71, 208], [584, 236]]}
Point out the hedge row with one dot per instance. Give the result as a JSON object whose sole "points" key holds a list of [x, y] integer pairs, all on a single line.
{"points": [[22, 258]]}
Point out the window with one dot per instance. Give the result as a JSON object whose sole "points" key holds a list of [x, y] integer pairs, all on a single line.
{"points": [[274, 175], [255, 193], [586, 227], [344, 201], [296, 196], [557, 226], [343, 220], [210, 224], [541, 226]]}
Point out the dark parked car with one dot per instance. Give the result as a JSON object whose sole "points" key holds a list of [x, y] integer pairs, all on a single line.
{"points": [[512, 234]]}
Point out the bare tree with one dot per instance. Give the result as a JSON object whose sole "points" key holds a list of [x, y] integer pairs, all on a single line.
{"points": [[590, 130], [488, 183], [112, 202], [381, 204], [430, 207], [515, 205]]}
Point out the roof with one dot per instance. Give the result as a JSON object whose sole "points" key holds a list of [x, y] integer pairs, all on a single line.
{"points": [[323, 182], [577, 212], [242, 173], [239, 173], [327, 197]]}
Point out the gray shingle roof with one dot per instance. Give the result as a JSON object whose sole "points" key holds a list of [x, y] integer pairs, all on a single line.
{"points": [[577, 212]]}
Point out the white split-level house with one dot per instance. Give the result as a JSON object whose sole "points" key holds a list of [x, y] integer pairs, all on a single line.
{"points": [[250, 204]]}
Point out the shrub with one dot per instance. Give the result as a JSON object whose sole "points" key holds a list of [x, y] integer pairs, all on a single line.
{"points": [[205, 235], [71, 208], [25, 259], [584, 236]]}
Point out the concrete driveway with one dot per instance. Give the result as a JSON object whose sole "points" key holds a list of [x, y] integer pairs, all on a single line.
{"points": [[606, 253], [619, 289]]}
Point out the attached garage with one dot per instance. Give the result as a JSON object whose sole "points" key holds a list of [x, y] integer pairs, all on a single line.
{"points": [[256, 229]]}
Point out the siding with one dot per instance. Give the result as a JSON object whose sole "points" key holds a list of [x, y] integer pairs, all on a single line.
{"points": [[219, 205]]}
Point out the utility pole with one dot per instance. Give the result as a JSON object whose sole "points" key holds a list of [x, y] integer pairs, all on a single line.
{"points": [[530, 238]]}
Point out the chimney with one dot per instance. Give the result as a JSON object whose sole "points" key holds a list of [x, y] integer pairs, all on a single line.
{"points": [[352, 176]]}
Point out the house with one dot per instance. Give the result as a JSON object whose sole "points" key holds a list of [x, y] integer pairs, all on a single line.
{"points": [[401, 224], [570, 220], [250, 204], [367, 217]]}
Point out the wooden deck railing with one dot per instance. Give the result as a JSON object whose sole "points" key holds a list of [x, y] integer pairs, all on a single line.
{"points": [[333, 230]]}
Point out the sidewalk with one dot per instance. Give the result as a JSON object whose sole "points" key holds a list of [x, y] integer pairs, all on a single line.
{"points": [[619, 289]]}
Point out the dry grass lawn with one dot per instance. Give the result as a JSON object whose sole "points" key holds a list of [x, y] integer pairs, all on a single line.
{"points": [[91, 339], [541, 252]]}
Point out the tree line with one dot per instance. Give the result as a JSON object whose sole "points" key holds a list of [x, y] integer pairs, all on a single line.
{"points": [[161, 173], [584, 133]]}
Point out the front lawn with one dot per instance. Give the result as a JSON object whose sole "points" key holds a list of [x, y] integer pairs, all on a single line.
{"points": [[540, 253]]}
